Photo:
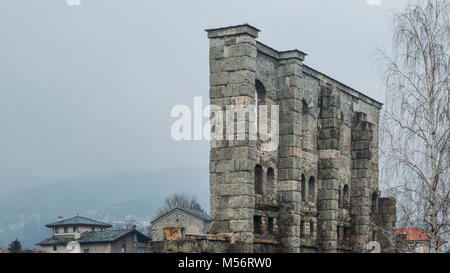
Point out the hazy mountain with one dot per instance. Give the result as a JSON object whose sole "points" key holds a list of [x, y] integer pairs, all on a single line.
{"points": [[109, 197]]}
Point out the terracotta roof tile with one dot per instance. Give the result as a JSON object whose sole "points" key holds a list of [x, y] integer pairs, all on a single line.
{"points": [[415, 234]]}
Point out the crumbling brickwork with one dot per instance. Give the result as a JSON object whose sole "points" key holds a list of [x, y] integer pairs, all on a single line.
{"points": [[317, 190]]}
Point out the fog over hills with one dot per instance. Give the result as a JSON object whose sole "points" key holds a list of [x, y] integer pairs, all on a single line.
{"points": [[108, 197]]}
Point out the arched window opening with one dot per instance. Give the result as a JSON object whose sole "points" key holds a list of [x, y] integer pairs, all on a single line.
{"points": [[270, 226], [270, 180], [257, 221], [303, 188], [258, 179], [346, 234], [302, 229], [305, 123], [260, 99], [311, 188], [374, 207], [346, 194], [304, 108], [260, 92]]}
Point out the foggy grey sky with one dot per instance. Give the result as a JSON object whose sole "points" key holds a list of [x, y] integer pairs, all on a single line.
{"points": [[89, 89]]}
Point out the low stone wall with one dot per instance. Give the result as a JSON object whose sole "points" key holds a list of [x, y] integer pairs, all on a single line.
{"points": [[210, 244]]}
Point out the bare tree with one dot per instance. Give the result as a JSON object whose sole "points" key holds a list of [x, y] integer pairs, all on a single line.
{"points": [[415, 121], [129, 222], [179, 200]]}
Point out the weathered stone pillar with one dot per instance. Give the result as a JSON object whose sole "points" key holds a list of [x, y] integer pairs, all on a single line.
{"points": [[329, 156], [360, 201], [289, 158], [232, 162], [386, 221]]}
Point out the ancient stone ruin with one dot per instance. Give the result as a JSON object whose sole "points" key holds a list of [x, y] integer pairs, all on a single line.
{"points": [[317, 191]]}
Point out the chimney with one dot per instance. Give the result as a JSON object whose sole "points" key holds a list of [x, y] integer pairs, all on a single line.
{"points": [[60, 218]]}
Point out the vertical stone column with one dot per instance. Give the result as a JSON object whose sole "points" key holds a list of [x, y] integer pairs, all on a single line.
{"points": [[386, 220], [289, 158], [329, 156], [232, 162], [360, 201]]}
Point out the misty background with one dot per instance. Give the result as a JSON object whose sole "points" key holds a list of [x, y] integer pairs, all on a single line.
{"points": [[86, 93]]}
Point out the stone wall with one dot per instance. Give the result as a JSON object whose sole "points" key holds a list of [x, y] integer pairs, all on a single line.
{"points": [[317, 190]]}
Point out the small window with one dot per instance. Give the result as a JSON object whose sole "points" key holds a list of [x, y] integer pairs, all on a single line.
{"points": [[374, 207], [87, 250], [260, 99], [74, 229], [346, 234], [260, 92], [270, 225], [304, 108], [302, 229], [311, 228], [141, 250], [303, 188], [257, 225], [55, 248], [346, 201], [258, 179], [270, 180], [93, 229], [66, 230], [56, 230], [311, 189]]}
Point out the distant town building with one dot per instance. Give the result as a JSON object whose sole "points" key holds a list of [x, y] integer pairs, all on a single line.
{"points": [[415, 240], [23, 251], [192, 222], [3, 250], [83, 235]]}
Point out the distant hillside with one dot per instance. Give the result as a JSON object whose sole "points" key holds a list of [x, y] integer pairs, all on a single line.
{"points": [[108, 197]]}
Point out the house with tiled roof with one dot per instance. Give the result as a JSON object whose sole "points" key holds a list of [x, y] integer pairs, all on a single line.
{"points": [[77, 224], [415, 240], [83, 235], [190, 221]]}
